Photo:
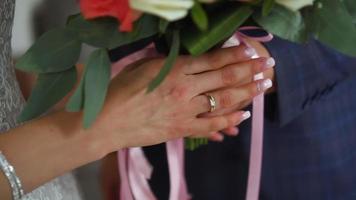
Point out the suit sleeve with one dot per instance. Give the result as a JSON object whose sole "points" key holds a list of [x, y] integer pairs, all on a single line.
{"points": [[305, 73]]}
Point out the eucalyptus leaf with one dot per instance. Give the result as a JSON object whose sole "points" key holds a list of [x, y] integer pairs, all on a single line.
{"points": [[222, 25], [333, 26], [284, 23], [76, 101], [169, 62], [96, 82], [199, 16], [104, 32], [55, 51], [49, 90]]}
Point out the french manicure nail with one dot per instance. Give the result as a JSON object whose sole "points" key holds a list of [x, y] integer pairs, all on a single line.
{"points": [[270, 62], [246, 115], [249, 52], [264, 85]]}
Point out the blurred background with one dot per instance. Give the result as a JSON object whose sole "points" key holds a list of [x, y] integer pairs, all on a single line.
{"points": [[32, 18]]}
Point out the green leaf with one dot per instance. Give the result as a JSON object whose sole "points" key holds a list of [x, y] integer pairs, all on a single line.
{"points": [[76, 101], [97, 79], [55, 51], [199, 16], [104, 32], [72, 17], [222, 25], [351, 7], [284, 23], [163, 24], [49, 89], [194, 143], [333, 26], [267, 7], [169, 62]]}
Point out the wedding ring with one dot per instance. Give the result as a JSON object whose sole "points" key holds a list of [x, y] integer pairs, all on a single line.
{"points": [[212, 102]]}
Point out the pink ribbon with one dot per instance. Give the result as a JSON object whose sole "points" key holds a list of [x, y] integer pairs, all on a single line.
{"points": [[256, 147], [125, 191], [135, 170], [175, 155]]}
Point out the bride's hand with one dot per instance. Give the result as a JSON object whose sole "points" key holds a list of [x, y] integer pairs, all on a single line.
{"points": [[245, 80], [133, 117]]}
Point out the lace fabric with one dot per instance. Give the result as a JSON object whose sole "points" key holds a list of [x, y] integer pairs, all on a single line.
{"points": [[11, 103]]}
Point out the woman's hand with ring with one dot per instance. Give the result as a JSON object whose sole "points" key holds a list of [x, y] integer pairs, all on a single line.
{"points": [[133, 117]]}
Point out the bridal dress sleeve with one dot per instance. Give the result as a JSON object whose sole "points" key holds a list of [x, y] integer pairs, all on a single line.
{"points": [[305, 74], [11, 103]]}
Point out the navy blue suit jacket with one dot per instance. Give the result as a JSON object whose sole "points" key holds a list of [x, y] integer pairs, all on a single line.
{"points": [[309, 142]]}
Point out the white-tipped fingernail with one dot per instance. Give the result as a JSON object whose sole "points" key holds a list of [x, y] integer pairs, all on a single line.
{"points": [[270, 62], [264, 85], [249, 52], [246, 115]]}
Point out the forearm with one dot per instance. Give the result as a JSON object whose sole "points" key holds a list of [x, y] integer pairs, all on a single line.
{"points": [[46, 148]]}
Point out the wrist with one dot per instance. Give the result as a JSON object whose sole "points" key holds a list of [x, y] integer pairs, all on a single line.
{"points": [[103, 138], [90, 143]]}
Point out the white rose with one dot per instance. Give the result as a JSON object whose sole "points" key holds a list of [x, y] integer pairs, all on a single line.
{"points": [[170, 10], [295, 4]]}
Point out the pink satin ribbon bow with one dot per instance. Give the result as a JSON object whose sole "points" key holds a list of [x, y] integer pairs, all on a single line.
{"points": [[135, 170]]}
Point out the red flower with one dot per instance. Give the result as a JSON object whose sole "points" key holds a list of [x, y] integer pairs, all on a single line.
{"points": [[119, 9]]}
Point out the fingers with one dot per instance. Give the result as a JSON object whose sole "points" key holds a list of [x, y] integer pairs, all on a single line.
{"points": [[231, 131], [216, 137], [206, 126], [217, 59], [231, 75], [230, 97], [219, 136]]}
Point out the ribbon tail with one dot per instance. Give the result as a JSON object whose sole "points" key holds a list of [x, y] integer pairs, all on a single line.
{"points": [[256, 148], [139, 172], [253, 185], [134, 172], [175, 156], [125, 191]]}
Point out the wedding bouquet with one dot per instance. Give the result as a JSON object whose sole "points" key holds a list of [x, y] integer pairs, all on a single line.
{"points": [[174, 27]]}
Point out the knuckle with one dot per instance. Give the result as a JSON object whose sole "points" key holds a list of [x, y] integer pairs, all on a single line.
{"points": [[215, 124], [179, 92], [230, 122], [252, 91], [252, 68], [203, 60], [226, 99], [214, 59], [228, 76], [257, 65]]}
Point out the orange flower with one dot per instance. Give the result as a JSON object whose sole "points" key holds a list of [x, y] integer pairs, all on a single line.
{"points": [[119, 9]]}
